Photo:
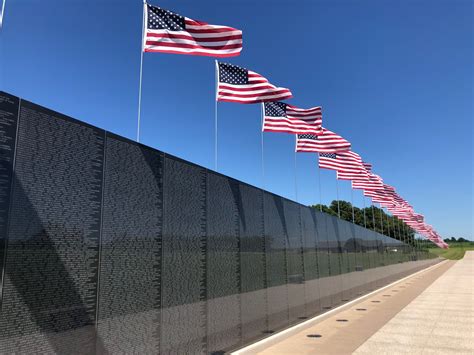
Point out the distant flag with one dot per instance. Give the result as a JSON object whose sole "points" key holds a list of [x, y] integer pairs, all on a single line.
{"points": [[350, 174], [343, 162], [169, 32], [367, 166], [236, 84], [285, 118], [378, 196], [373, 182], [327, 142]]}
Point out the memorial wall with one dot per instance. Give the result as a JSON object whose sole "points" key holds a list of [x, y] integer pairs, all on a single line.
{"points": [[108, 246]]}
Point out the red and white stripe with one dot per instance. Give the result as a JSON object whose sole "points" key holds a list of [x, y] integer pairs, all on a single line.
{"points": [[345, 163], [296, 121], [367, 166], [327, 142], [257, 90], [199, 39], [373, 182]]}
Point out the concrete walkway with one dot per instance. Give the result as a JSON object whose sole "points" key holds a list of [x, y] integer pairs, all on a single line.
{"points": [[439, 321], [429, 312]]}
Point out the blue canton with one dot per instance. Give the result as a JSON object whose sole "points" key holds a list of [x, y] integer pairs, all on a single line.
{"points": [[232, 74], [275, 109], [160, 19]]}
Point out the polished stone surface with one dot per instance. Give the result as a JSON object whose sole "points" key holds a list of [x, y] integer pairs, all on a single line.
{"points": [[110, 246]]}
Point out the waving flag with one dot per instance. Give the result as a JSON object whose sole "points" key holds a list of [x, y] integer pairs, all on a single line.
{"points": [[281, 117], [379, 196], [169, 32], [373, 182], [343, 162], [350, 174], [236, 84], [327, 142]]}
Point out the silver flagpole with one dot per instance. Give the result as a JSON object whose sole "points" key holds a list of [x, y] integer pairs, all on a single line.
{"points": [[388, 224], [296, 182], [320, 192], [365, 222], [381, 217], [352, 203], [3, 13], [215, 117], [141, 71], [337, 196], [373, 213], [263, 160]]}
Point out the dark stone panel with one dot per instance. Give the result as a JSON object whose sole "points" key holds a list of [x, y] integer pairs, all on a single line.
{"points": [[146, 253], [360, 282], [325, 281], [348, 259], [296, 280], [276, 244], [50, 288], [310, 258], [365, 244], [252, 261], [223, 263], [183, 326], [376, 258], [130, 264], [9, 106], [335, 262]]}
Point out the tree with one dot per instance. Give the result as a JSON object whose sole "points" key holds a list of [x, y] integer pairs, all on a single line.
{"points": [[324, 208], [372, 218]]}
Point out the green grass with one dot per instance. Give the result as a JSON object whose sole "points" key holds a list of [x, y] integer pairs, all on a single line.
{"points": [[455, 252]]}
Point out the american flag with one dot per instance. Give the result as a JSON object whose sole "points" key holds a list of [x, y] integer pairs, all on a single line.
{"points": [[386, 196], [281, 117], [238, 84], [327, 142], [169, 32], [378, 196], [343, 162], [359, 173], [367, 166], [373, 182]]}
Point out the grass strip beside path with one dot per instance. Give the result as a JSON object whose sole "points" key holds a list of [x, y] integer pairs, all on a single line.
{"points": [[455, 252]]}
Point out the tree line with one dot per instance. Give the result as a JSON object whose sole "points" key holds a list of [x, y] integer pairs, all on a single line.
{"points": [[366, 217]]}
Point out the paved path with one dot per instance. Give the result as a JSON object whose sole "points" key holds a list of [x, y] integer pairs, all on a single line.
{"points": [[429, 312], [439, 321]]}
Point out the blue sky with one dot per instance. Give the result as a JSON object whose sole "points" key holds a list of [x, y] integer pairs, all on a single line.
{"points": [[393, 77]]}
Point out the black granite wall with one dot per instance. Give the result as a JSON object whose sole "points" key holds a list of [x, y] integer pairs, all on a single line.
{"points": [[108, 246]]}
